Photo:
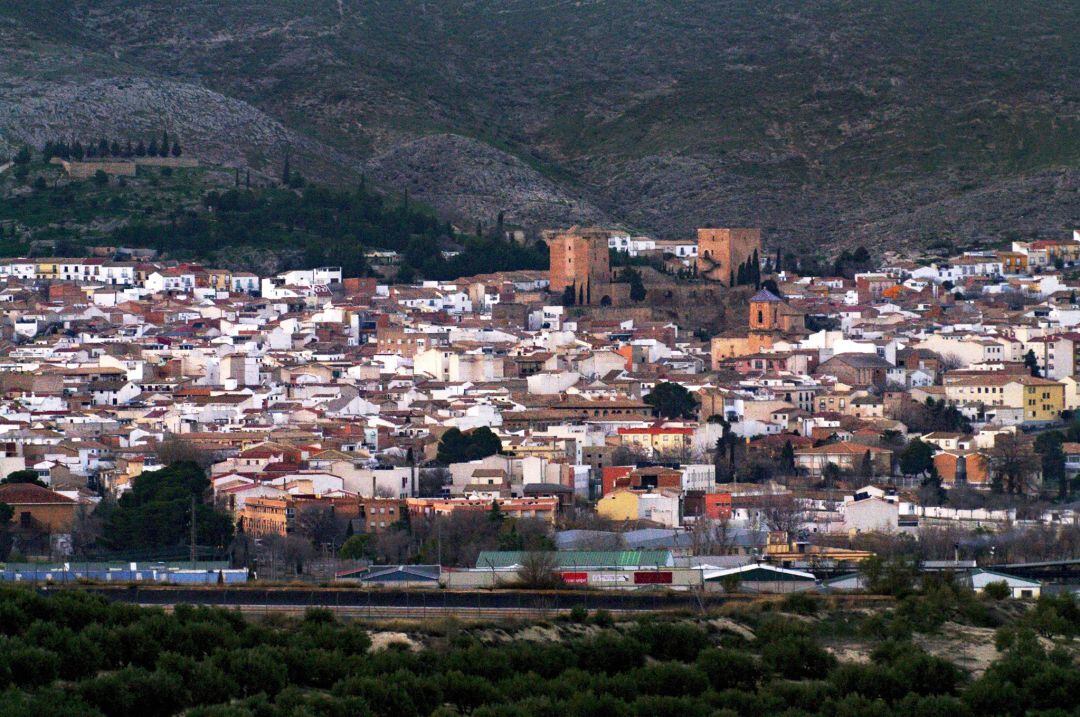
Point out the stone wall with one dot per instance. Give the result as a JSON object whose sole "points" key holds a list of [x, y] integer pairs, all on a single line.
{"points": [[85, 170]]}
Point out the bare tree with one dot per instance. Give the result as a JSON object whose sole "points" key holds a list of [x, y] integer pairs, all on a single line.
{"points": [[711, 537], [320, 525], [628, 456], [174, 449], [1013, 464], [782, 514], [951, 362], [538, 569], [85, 531], [432, 481], [392, 546]]}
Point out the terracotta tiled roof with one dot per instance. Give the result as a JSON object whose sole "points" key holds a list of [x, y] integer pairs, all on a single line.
{"points": [[29, 493]]}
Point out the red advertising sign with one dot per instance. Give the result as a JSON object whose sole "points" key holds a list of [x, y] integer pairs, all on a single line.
{"points": [[576, 578], [652, 577]]}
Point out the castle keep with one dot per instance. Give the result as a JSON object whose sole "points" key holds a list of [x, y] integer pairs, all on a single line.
{"points": [[580, 260], [722, 251]]}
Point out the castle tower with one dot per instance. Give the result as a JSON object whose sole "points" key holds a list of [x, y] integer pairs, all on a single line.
{"points": [[722, 251], [765, 311], [580, 260], [771, 314]]}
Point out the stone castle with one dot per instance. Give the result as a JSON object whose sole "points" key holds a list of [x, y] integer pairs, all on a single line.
{"points": [[722, 250], [580, 264]]}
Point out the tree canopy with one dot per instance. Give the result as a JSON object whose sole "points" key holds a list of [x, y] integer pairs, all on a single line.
{"points": [[672, 400], [917, 457], [458, 447], [24, 476], [156, 512]]}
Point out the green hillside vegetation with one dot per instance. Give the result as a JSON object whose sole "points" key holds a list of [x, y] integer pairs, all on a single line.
{"points": [[214, 215], [73, 654]]}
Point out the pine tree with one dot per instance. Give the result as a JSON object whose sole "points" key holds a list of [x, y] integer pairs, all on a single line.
{"points": [[77, 150], [176, 151], [867, 465], [740, 277], [164, 143], [103, 147], [1032, 363], [787, 457], [152, 150], [247, 180], [140, 149], [404, 522], [128, 149]]}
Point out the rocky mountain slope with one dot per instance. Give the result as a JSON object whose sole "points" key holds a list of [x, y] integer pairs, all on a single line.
{"points": [[827, 122]]}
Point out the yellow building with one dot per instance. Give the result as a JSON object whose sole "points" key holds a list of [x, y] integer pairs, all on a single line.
{"points": [[1041, 399], [662, 507], [47, 269], [727, 347], [619, 505], [657, 439], [219, 279], [1013, 262]]}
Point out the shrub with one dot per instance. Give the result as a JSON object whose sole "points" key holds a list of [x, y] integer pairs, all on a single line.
{"points": [[670, 640], [997, 590], [671, 679], [134, 691], [660, 706], [258, 669], [797, 658], [800, 603], [730, 669], [32, 666], [609, 653]]}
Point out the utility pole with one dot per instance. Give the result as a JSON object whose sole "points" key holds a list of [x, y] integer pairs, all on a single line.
{"points": [[192, 532]]}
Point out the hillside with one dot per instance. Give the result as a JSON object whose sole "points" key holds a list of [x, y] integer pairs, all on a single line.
{"points": [[828, 123], [210, 214]]}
